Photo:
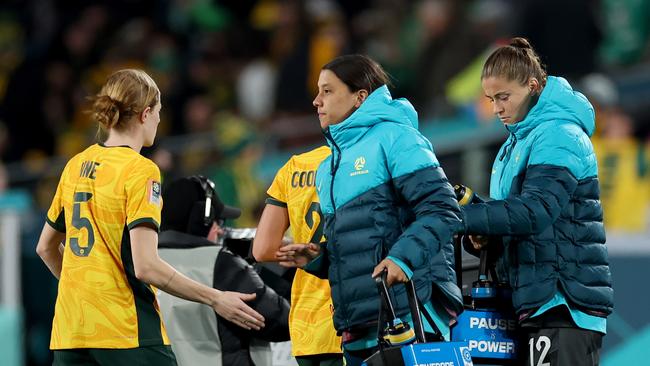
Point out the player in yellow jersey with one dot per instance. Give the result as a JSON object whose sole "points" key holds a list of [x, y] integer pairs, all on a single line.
{"points": [[293, 202], [101, 239]]}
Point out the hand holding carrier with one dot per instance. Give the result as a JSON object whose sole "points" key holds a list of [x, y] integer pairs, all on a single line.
{"points": [[488, 324], [399, 345]]}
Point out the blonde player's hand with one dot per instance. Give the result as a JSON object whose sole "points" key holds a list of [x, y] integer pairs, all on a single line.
{"points": [[232, 307], [394, 272], [297, 255]]}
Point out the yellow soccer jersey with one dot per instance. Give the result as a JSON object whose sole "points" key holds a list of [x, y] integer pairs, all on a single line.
{"points": [[624, 188], [310, 319], [103, 192]]}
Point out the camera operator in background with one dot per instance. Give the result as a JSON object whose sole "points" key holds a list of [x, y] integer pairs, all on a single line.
{"points": [[546, 207], [192, 226]]}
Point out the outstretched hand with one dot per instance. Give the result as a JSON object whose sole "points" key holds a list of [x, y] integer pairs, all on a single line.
{"points": [[297, 255], [394, 272], [232, 307]]}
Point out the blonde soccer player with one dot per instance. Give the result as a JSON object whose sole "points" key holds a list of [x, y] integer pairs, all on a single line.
{"points": [[101, 236]]}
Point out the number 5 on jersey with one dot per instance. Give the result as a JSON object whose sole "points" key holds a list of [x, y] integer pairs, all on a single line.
{"points": [[79, 223]]}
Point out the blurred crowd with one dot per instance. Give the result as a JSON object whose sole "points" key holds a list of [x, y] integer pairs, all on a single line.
{"points": [[238, 79]]}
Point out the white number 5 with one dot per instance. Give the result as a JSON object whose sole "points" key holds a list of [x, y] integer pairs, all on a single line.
{"points": [[543, 344]]}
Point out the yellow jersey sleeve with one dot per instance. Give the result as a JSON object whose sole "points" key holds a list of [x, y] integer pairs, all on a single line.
{"points": [[56, 214], [143, 196], [277, 192]]}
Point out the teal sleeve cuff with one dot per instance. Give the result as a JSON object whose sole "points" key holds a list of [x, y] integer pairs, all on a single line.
{"points": [[316, 264], [407, 271], [319, 266]]}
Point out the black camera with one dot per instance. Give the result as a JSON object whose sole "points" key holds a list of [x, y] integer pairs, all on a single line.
{"points": [[239, 241]]}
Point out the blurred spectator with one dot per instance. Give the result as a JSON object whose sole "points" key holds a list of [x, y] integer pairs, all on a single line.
{"points": [[290, 49], [626, 31], [449, 45], [4, 140], [565, 34], [11, 52], [256, 90], [623, 161], [624, 165], [236, 172], [329, 38], [390, 33], [25, 86], [198, 111]]}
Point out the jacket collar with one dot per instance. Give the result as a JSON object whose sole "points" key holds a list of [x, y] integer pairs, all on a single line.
{"points": [[378, 107], [558, 101]]}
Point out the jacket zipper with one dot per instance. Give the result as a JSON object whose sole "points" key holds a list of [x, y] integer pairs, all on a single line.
{"points": [[506, 154], [508, 149], [334, 166]]}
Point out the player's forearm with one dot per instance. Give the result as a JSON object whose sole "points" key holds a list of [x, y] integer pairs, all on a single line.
{"points": [[49, 248], [270, 231], [164, 277], [53, 259], [264, 248]]}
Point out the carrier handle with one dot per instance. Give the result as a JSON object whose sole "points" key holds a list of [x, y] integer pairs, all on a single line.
{"points": [[415, 306]]}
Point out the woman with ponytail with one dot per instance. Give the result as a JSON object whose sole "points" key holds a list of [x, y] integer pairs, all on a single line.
{"points": [[545, 206], [101, 241]]}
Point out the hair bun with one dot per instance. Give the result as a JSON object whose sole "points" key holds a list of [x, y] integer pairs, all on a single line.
{"points": [[126, 93], [520, 42], [106, 111]]}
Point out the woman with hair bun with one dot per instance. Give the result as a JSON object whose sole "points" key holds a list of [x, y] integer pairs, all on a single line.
{"points": [[546, 207], [101, 240]]}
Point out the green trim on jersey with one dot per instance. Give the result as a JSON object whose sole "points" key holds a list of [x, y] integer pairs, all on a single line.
{"points": [[144, 220], [59, 224], [143, 356], [149, 321]]}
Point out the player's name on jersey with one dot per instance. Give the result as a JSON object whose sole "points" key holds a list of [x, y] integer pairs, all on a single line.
{"points": [[303, 179], [88, 169]]}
